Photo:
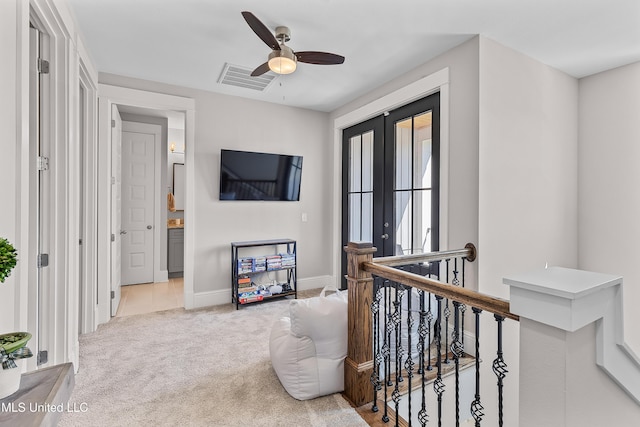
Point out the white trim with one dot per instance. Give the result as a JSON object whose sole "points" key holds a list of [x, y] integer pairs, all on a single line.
{"points": [[85, 62], [570, 299], [161, 276], [90, 161], [438, 81], [317, 282], [209, 298], [109, 95], [412, 92]]}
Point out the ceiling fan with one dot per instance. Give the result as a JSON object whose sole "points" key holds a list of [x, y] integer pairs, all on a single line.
{"points": [[282, 59]]}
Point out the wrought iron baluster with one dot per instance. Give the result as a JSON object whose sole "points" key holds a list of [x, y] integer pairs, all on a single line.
{"points": [[429, 332], [463, 308], [476, 407], [409, 364], [423, 333], [396, 319], [386, 351], [457, 351], [400, 293], [456, 282], [388, 330], [378, 358], [500, 369], [438, 384], [447, 313]]}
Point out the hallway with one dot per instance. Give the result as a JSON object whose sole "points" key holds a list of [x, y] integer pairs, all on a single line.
{"points": [[150, 297]]}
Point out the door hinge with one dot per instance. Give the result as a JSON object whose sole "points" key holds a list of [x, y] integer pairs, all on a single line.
{"points": [[113, 237], [80, 242], [113, 123], [113, 294], [43, 260], [43, 163], [113, 180], [43, 66], [43, 357]]}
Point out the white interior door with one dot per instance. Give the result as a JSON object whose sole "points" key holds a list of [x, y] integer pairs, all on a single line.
{"points": [[138, 202], [116, 207]]}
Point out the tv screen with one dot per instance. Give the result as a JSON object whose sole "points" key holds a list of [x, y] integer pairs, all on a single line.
{"points": [[246, 175]]}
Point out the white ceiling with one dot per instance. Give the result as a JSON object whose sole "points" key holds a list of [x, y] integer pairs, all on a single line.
{"points": [[188, 42]]}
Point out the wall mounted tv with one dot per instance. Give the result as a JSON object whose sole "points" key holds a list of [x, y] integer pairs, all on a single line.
{"points": [[246, 175]]}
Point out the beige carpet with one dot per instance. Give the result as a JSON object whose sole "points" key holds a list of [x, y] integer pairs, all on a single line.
{"points": [[207, 367]]}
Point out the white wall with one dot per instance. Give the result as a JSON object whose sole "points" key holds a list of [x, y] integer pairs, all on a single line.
{"points": [[10, 155], [527, 214], [231, 122], [609, 202], [527, 166]]}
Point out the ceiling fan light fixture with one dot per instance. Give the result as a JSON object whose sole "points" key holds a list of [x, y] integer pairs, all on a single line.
{"points": [[282, 61]]}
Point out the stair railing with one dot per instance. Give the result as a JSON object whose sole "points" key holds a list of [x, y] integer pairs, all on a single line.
{"points": [[402, 332]]}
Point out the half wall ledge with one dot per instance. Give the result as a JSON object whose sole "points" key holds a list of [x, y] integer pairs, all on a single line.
{"points": [[569, 300]]}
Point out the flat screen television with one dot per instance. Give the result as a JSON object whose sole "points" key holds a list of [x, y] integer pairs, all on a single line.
{"points": [[246, 175]]}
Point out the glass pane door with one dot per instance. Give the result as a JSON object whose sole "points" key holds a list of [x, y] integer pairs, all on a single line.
{"points": [[412, 135], [362, 185], [360, 206], [412, 188]]}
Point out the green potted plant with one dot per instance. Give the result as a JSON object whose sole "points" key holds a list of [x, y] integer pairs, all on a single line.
{"points": [[12, 345]]}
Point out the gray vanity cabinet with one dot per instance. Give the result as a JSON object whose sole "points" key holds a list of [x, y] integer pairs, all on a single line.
{"points": [[175, 262]]}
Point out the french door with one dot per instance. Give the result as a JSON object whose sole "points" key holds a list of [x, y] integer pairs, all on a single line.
{"points": [[390, 180]]}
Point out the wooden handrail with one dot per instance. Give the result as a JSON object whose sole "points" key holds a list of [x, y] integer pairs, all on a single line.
{"points": [[468, 297]]}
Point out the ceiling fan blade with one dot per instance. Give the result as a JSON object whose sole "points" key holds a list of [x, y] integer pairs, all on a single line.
{"points": [[319, 58], [261, 30], [260, 70]]}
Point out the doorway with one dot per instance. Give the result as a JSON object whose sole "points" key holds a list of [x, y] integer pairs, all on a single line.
{"points": [[139, 228], [146, 104], [390, 180]]}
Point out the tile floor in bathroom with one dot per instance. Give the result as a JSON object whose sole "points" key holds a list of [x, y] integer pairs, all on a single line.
{"points": [[150, 297]]}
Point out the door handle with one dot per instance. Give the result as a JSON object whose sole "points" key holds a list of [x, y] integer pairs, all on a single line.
{"points": [[123, 231], [149, 227], [385, 236]]}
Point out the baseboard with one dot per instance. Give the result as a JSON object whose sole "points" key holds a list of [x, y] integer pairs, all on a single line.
{"points": [[74, 356], [315, 282], [161, 276], [223, 296], [209, 298]]}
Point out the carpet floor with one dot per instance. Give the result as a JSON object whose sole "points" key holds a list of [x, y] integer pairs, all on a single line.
{"points": [[206, 367]]}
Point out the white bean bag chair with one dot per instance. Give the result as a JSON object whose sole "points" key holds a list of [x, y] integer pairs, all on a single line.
{"points": [[309, 346]]}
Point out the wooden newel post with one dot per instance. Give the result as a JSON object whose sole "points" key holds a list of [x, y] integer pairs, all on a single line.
{"points": [[358, 365]]}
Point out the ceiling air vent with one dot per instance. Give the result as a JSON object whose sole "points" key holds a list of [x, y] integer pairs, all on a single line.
{"points": [[236, 75]]}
